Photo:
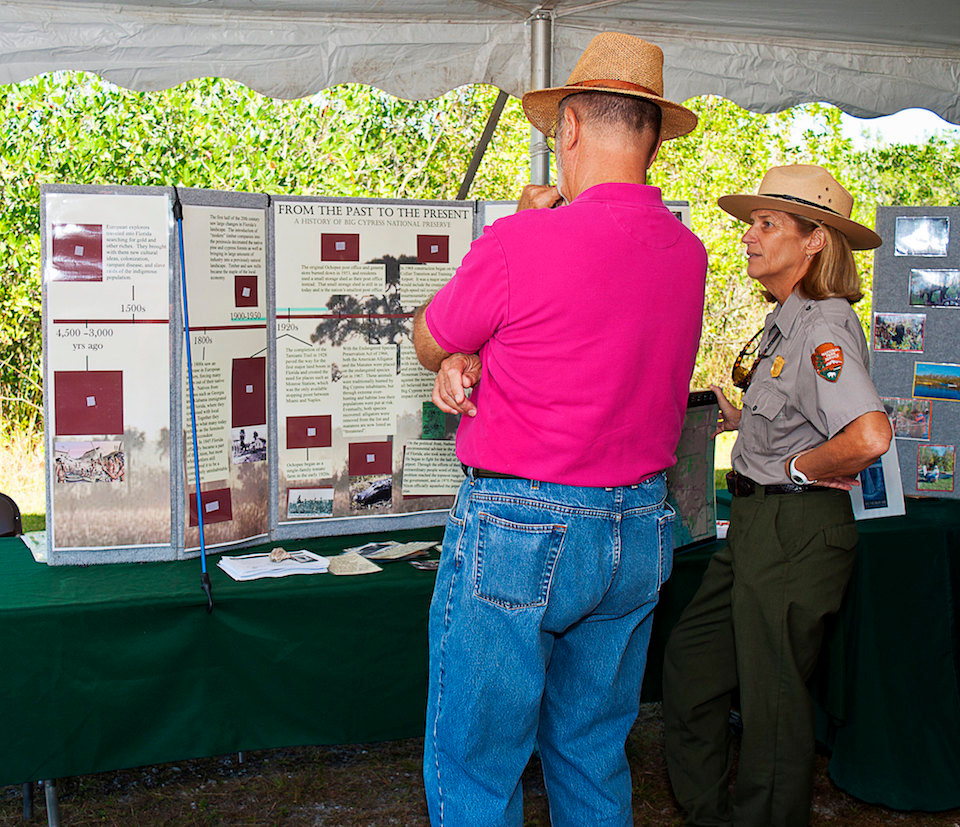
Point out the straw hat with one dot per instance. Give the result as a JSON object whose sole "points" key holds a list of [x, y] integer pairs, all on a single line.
{"points": [[619, 63], [807, 190]]}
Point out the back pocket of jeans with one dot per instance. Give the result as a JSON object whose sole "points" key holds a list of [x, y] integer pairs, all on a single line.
{"points": [[515, 561]]}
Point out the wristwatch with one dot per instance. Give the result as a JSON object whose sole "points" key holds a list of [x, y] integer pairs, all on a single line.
{"points": [[796, 475]]}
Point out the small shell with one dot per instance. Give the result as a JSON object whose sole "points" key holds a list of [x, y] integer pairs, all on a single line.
{"points": [[279, 554]]}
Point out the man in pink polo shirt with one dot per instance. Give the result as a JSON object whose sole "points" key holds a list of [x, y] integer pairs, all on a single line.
{"points": [[576, 329]]}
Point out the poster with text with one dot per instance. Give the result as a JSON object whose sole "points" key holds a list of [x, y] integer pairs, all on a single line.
{"points": [[351, 394], [225, 256], [106, 276]]}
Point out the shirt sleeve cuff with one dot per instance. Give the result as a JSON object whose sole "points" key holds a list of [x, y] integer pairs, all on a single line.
{"points": [[836, 427], [439, 338]]}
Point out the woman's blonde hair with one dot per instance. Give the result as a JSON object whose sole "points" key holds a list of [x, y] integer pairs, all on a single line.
{"points": [[832, 272]]}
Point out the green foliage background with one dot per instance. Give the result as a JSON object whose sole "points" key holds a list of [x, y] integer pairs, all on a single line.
{"points": [[73, 128]]}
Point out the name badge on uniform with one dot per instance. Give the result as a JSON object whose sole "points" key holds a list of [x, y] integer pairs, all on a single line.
{"points": [[828, 361], [776, 367]]}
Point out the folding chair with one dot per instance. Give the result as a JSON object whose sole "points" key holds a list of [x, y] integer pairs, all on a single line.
{"points": [[10, 524]]}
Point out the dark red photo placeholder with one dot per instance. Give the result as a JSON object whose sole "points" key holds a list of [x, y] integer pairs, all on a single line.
{"points": [[87, 402], [217, 506], [309, 431], [245, 291], [433, 249], [340, 246], [78, 252], [249, 392], [370, 458]]}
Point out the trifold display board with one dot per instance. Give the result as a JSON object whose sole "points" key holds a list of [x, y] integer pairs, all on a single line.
{"points": [[915, 359], [313, 414]]}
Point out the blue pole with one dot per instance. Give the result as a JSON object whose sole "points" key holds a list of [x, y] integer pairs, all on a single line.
{"points": [[204, 577]]}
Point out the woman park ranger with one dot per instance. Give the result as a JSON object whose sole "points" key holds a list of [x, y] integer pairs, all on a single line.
{"points": [[811, 420]]}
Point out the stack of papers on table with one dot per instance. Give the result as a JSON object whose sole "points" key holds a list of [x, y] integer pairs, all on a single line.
{"points": [[392, 550], [255, 566]]}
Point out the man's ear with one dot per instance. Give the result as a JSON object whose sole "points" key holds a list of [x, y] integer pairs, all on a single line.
{"points": [[653, 153], [571, 128]]}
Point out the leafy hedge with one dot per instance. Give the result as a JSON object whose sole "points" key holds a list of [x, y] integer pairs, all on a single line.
{"points": [[73, 128]]}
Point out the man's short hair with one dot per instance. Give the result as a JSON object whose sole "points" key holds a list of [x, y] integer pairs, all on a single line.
{"points": [[609, 109]]}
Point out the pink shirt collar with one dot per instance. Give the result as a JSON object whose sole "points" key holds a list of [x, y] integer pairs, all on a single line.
{"points": [[645, 194]]}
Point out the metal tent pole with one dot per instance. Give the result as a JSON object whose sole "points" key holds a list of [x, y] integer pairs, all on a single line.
{"points": [[541, 49], [53, 807]]}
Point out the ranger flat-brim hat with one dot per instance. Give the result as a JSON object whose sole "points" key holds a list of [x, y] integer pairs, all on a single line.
{"points": [[618, 63], [807, 190]]}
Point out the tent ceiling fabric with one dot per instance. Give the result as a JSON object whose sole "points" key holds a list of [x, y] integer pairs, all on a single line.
{"points": [[870, 57]]}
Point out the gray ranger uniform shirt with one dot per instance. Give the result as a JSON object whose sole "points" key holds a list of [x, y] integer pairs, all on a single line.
{"points": [[811, 382]]}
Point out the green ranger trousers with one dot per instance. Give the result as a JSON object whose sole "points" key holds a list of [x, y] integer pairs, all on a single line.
{"points": [[756, 623]]}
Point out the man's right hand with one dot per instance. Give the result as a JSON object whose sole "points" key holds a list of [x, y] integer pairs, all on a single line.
{"points": [[457, 373], [538, 197]]}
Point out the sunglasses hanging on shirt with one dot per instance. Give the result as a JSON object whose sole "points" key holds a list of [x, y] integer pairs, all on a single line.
{"points": [[743, 375]]}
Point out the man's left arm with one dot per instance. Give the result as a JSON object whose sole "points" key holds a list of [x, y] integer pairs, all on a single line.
{"points": [[430, 354], [451, 328], [456, 372]]}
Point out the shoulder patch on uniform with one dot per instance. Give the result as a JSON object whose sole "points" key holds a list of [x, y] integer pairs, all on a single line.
{"points": [[828, 360]]}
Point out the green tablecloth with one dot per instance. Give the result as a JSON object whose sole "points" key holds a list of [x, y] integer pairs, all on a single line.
{"points": [[117, 666], [889, 680]]}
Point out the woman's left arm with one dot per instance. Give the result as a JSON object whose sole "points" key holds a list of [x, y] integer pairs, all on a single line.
{"points": [[836, 462]]}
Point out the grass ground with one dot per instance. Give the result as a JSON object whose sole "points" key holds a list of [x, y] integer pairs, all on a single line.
{"points": [[945, 484], [368, 785]]}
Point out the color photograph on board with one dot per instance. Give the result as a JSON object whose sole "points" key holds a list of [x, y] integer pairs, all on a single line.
{"points": [[936, 380], [935, 465], [921, 235], [909, 418], [899, 331], [935, 288]]}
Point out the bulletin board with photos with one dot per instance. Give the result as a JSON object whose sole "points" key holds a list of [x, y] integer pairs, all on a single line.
{"points": [[915, 342], [313, 414]]}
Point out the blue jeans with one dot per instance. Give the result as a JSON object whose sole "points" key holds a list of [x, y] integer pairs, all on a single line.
{"points": [[539, 628]]}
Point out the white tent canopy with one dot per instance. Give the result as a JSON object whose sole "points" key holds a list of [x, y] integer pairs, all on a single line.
{"points": [[869, 57]]}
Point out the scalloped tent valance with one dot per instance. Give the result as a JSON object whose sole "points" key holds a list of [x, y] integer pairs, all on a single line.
{"points": [[869, 57]]}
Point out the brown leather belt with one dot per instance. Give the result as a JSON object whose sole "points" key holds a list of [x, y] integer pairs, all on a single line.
{"points": [[741, 486]]}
